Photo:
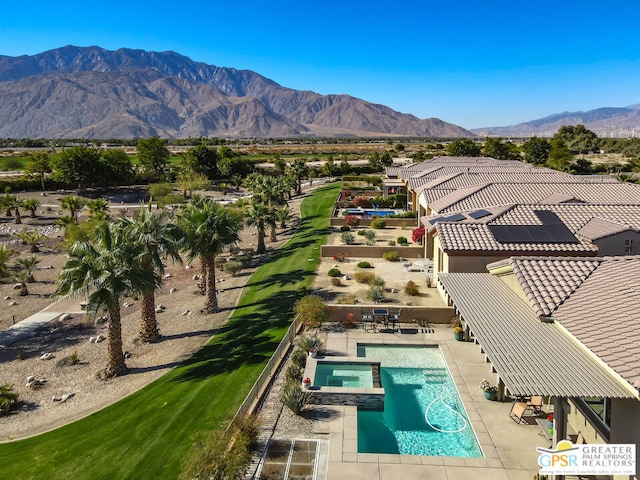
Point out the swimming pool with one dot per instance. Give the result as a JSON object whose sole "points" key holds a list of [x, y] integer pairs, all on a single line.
{"points": [[369, 213], [423, 414], [343, 375]]}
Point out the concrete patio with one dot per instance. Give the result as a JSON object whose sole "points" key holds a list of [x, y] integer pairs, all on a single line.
{"points": [[509, 448]]}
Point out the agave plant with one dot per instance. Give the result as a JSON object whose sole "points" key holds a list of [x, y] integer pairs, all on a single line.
{"points": [[295, 398]]}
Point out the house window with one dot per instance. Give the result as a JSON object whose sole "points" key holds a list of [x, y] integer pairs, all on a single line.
{"points": [[597, 411], [628, 246]]}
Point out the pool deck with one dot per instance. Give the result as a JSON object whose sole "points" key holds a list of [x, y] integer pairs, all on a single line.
{"points": [[509, 448]]}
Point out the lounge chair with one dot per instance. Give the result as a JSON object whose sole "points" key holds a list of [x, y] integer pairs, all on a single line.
{"points": [[519, 412], [536, 403], [394, 318]]}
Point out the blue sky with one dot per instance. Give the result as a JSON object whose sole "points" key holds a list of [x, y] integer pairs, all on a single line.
{"points": [[474, 64]]}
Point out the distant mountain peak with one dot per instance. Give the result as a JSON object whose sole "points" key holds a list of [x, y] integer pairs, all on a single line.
{"points": [[93, 92], [604, 121]]}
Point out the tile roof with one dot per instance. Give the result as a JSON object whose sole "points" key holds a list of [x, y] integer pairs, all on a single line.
{"points": [[598, 228], [597, 300], [531, 357], [604, 314], [502, 193], [478, 237], [573, 215], [549, 281]]}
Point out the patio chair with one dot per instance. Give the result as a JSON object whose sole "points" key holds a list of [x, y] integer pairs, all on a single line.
{"points": [[519, 412], [368, 322], [394, 318], [536, 403]]}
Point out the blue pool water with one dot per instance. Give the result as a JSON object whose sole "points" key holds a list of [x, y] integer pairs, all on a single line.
{"points": [[423, 414], [370, 213], [343, 375]]}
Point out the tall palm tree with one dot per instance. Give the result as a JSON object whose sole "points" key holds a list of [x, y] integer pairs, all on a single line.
{"points": [[258, 215], [283, 214], [157, 239], [208, 229], [297, 170], [105, 269]]}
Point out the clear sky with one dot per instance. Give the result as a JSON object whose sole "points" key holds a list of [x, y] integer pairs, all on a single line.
{"points": [[472, 63]]}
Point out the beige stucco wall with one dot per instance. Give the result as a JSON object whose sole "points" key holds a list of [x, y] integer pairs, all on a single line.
{"points": [[512, 282], [615, 244], [625, 425]]}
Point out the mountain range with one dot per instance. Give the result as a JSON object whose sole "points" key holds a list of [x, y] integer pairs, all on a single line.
{"points": [[605, 122], [91, 92]]}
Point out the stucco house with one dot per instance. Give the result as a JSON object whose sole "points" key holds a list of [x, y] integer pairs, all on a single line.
{"points": [[563, 328]]}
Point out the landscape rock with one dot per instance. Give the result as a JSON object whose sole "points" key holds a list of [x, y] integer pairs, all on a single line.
{"points": [[173, 290], [64, 317], [13, 303], [17, 286], [186, 312], [46, 356]]}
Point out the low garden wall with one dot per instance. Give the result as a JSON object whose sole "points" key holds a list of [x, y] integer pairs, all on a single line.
{"points": [[363, 398], [364, 251], [433, 315], [366, 222]]}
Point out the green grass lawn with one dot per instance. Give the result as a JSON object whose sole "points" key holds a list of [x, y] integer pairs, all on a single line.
{"points": [[147, 435]]}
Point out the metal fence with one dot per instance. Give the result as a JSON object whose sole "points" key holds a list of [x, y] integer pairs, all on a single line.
{"points": [[252, 399]]}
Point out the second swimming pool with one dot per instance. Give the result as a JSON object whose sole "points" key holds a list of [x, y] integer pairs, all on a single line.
{"points": [[423, 414]]}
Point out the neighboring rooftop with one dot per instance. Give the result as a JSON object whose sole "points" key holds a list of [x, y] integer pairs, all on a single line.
{"points": [[527, 192]]}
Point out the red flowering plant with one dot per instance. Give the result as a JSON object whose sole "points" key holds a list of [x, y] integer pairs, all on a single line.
{"points": [[417, 235], [351, 221]]}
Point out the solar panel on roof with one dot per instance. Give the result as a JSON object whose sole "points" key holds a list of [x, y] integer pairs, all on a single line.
{"points": [[454, 218], [479, 214], [532, 234]]}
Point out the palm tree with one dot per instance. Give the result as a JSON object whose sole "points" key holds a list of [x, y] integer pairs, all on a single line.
{"points": [[24, 274], [73, 203], [259, 216], [12, 202], [5, 254], [208, 229], [297, 170], [31, 237], [157, 239], [283, 214], [105, 269], [98, 208], [32, 205]]}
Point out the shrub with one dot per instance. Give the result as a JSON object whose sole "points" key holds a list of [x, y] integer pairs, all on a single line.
{"points": [[369, 234], [219, 263], [364, 265], [411, 288], [375, 294], [417, 235], [311, 310], [233, 267], [351, 221], [295, 398], [364, 277], [347, 238], [364, 202], [307, 342], [349, 321], [391, 256], [69, 360], [334, 272], [335, 281], [293, 374], [391, 243], [299, 358], [378, 223], [7, 398], [402, 241], [361, 232], [345, 228], [350, 299], [377, 282]]}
